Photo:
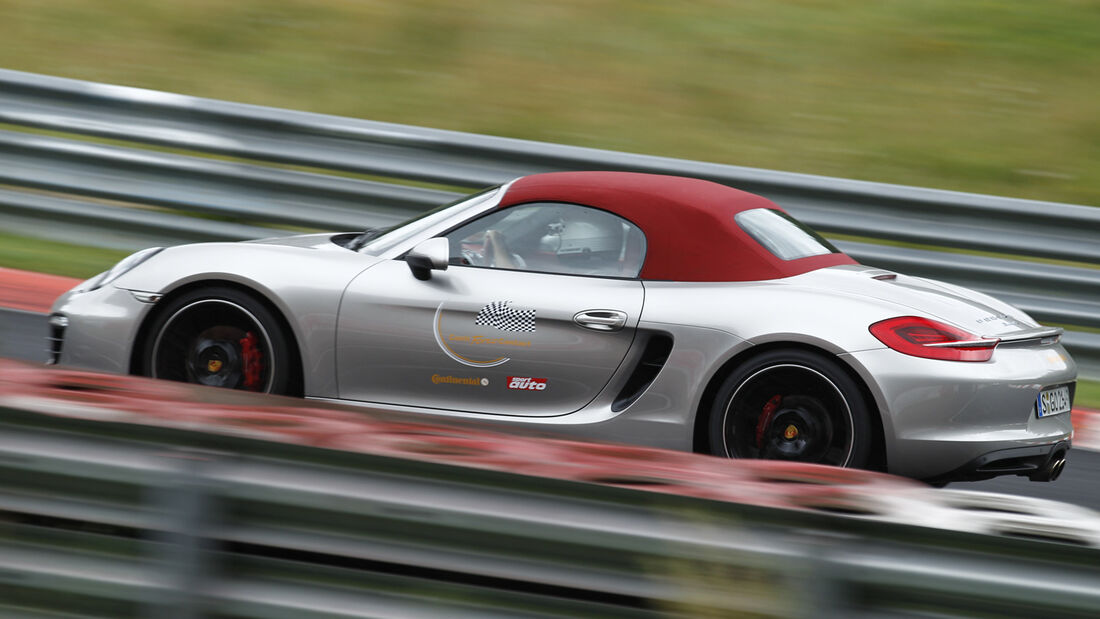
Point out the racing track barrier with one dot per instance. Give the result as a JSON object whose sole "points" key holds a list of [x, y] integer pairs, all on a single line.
{"points": [[127, 167], [230, 504]]}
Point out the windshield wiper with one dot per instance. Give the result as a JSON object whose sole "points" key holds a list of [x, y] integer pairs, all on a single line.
{"points": [[364, 237]]}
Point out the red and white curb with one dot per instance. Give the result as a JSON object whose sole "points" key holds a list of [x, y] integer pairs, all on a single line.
{"points": [[62, 395], [31, 292], [1086, 429], [35, 292]]}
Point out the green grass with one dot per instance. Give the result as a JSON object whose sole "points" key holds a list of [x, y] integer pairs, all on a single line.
{"points": [[20, 252], [977, 95], [1088, 394]]}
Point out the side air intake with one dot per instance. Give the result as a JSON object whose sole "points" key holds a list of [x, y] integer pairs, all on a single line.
{"points": [[653, 359]]}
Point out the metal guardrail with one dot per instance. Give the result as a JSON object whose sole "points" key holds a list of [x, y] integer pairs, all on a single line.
{"points": [[109, 509], [96, 186]]}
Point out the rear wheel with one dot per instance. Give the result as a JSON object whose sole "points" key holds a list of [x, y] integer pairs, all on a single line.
{"points": [[791, 405], [220, 337]]}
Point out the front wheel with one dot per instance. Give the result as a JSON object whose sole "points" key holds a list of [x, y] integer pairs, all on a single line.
{"points": [[792, 405], [220, 337]]}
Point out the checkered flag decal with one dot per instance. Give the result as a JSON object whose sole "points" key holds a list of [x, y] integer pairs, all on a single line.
{"points": [[501, 317]]}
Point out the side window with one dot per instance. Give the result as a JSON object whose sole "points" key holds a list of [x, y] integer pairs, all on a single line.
{"points": [[551, 238]]}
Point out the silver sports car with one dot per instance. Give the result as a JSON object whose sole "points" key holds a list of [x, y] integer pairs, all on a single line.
{"points": [[647, 309]]}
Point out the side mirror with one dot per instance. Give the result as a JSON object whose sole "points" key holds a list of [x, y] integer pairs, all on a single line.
{"points": [[427, 256]]}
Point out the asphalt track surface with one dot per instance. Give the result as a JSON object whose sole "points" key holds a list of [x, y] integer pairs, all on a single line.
{"points": [[23, 333]]}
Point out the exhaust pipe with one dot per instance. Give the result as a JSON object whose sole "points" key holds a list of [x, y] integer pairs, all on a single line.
{"points": [[1052, 469], [1057, 469]]}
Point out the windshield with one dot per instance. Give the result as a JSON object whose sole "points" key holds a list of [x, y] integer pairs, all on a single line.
{"points": [[782, 234], [427, 219]]}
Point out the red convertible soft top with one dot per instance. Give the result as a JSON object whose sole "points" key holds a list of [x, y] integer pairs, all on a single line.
{"points": [[688, 223]]}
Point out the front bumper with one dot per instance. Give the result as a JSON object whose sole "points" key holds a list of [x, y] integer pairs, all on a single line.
{"points": [[101, 331], [943, 418]]}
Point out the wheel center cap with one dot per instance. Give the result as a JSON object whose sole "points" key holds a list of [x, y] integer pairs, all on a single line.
{"points": [[213, 365], [790, 432]]}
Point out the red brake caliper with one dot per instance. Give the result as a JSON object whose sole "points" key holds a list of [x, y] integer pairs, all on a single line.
{"points": [[253, 361], [766, 418]]}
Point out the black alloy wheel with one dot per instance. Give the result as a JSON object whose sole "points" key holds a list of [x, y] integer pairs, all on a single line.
{"points": [[219, 337], [792, 405]]}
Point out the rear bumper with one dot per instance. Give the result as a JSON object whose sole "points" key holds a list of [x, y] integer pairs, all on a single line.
{"points": [[1039, 463], [945, 420]]}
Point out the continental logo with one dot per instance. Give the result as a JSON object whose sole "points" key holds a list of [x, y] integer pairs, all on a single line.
{"points": [[438, 379]]}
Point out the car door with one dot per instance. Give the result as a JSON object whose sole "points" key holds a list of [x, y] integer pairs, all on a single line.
{"points": [[537, 331]]}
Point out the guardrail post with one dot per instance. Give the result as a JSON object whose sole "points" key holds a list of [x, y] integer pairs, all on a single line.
{"points": [[821, 582], [180, 548]]}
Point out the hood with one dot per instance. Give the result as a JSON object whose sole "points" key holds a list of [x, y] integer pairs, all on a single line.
{"points": [[323, 240], [970, 310]]}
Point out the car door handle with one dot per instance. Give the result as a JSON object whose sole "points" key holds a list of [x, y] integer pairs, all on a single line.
{"points": [[601, 320]]}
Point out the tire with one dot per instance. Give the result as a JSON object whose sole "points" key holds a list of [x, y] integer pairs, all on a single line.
{"points": [[219, 337], [792, 405]]}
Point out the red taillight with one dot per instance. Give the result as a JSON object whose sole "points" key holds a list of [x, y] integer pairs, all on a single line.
{"points": [[926, 338]]}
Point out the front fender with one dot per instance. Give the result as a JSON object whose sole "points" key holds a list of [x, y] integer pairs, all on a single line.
{"points": [[305, 284]]}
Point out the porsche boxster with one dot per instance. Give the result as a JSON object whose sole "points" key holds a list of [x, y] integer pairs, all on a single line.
{"points": [[647, 309]]}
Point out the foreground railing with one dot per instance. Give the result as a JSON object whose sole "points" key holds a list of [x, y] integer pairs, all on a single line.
{"points": [[122, 497], [298, 169]]}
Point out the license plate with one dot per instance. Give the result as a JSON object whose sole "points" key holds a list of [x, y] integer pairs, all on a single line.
{"points": [[1053, 402]]}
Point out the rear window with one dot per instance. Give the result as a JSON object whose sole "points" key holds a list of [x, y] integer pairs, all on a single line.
{"points": [[782, 234]]}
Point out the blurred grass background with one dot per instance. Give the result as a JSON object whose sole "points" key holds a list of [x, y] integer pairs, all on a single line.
{"points": [[993, 96]]}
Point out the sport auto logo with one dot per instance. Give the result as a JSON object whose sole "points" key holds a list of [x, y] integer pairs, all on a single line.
{"points": [[526, 383]]}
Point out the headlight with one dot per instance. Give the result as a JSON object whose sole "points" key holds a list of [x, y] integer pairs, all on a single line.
{"points": [[119, 269]]}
